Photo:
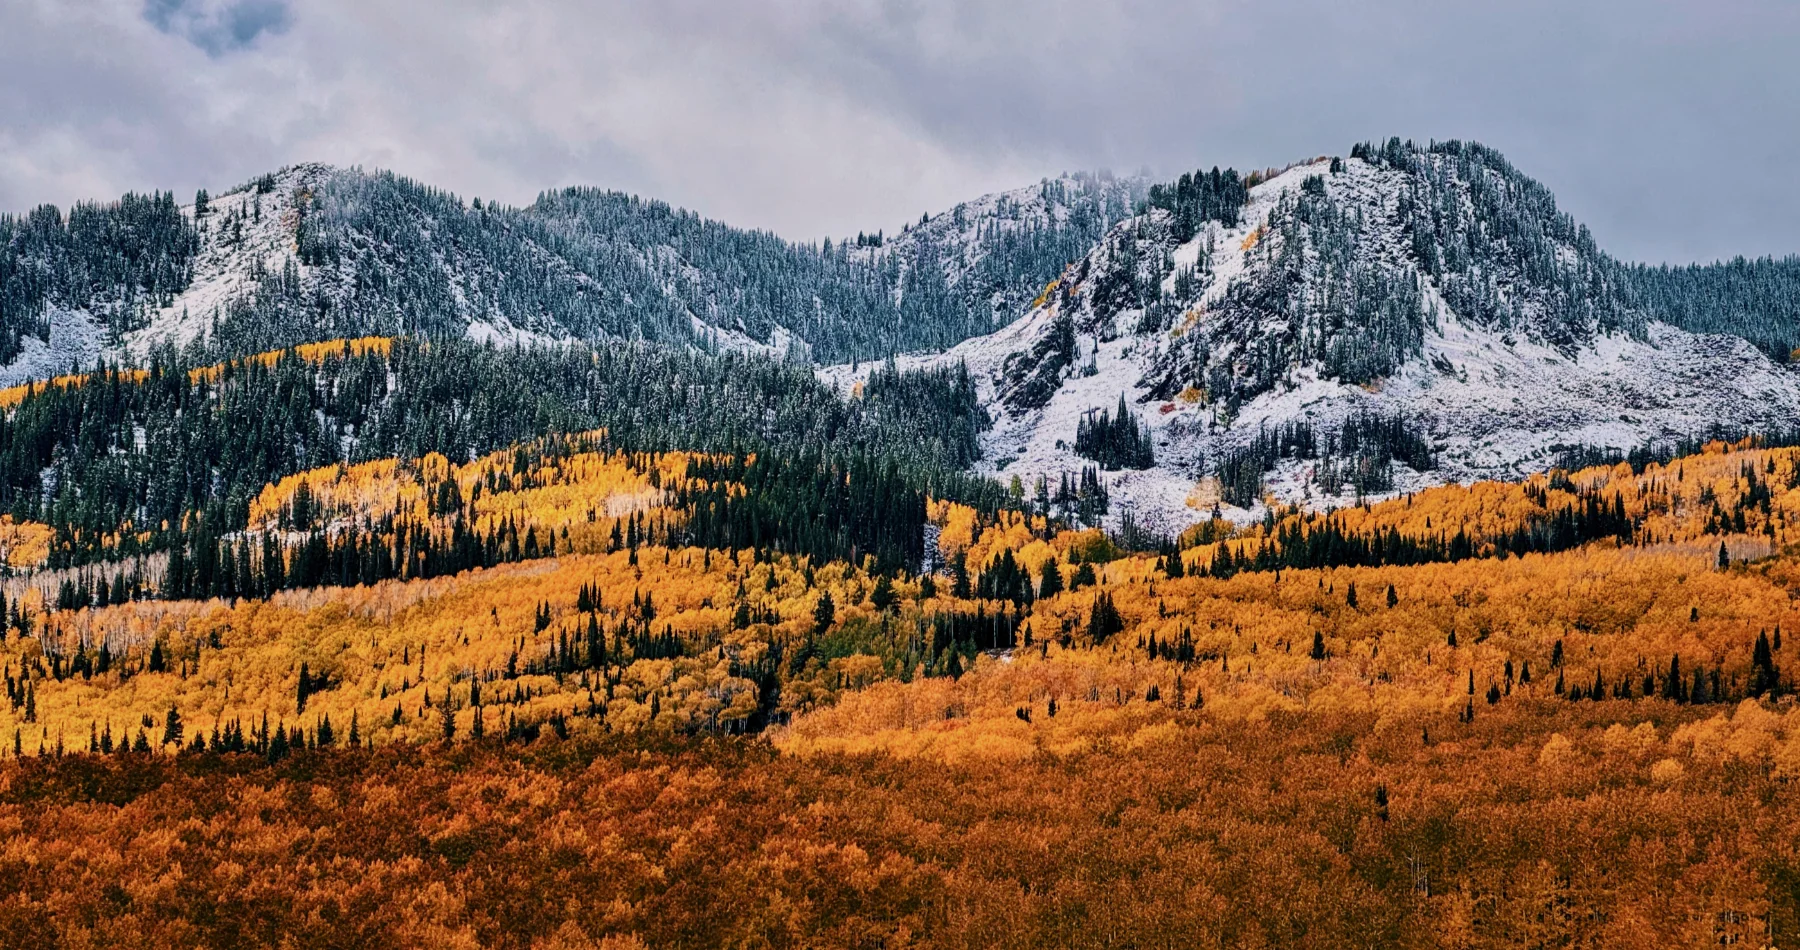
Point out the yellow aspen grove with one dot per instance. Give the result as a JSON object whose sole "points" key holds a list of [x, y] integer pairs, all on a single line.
{"points": [[1349, 553], [1511, 654]]}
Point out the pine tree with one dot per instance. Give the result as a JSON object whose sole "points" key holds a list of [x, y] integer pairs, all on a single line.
{"points": [[1764, 678], [172, 728], [881, 596], [1114, 439], [1104, 619], [1674, 688]]}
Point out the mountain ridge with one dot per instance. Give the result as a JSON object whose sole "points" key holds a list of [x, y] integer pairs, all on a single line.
{"points": [[1256, 323], [1504, 340], [313, 252]]}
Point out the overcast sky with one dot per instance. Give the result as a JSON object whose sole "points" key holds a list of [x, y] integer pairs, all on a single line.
{"points": [[1670, 128]]}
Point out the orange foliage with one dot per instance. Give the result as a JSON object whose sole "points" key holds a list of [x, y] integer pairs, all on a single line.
{"points": [[1368, 756], [12, 396], [1676, 504], [579, 495], [315, 353], [23, 544]]}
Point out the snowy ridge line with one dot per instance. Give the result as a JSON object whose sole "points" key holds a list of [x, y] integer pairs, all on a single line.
{"points": [[315, 252], [1494, 403]]}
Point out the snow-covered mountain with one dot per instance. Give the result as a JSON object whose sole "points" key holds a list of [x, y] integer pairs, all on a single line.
{"points": [[994, 254], [1349, 326], [313, 252], [1431, 292]]}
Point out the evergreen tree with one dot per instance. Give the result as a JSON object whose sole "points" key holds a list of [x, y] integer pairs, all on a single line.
{"points": [[172, 728], [1674, 687], [1104, 620], [302, 689], [881, 596], [1764, 678], [1114, 440]]}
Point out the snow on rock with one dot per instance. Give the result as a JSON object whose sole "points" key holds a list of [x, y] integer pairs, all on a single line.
{"points": [[76, 340], [233, 258], [960, 241], [1493, 404]]}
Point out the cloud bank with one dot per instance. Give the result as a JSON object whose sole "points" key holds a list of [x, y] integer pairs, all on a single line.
{"points": [[1666, 126]]}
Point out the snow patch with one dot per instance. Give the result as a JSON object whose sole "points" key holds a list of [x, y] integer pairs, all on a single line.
{"points": [[76, 339], [1494, 407]]}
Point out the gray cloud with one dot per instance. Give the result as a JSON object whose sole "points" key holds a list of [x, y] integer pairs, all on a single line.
{"points": [[1664, 125]]}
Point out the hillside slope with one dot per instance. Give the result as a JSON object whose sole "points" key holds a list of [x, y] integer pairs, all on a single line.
{"points": [[1346, 328], [315, 253], [1051, 740], [1435, 294]]}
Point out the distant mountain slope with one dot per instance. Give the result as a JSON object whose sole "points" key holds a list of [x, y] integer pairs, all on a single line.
{"points": [[125, 462], [1413, 304], [1758, 300], [97, 272], [988, 259], [313, 252], [1352, 326]]}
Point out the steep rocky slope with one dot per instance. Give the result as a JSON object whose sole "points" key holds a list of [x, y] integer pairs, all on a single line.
{"points": [[1437, 290], [313, 252], [1349, 327]]}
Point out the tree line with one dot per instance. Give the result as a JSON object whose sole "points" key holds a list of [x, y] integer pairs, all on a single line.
{"points": [[119, 463]]}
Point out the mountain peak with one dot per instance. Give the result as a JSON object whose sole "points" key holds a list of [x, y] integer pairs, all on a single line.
{"points": [[1341, 327], [1351, 327]]}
